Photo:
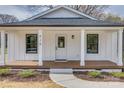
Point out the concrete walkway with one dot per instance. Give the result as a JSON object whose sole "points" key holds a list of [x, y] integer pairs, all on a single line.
{"points": [[65, 78]]}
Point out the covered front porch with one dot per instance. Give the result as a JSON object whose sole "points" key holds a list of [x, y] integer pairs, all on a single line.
{"points": [[16, 55]]}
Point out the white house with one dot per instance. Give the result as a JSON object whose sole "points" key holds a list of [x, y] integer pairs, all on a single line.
{"points": [[62, 34]]}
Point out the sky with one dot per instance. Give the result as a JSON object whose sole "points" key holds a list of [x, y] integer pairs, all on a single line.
{"points": [[21, 13], [116, 9], [14, 10]]}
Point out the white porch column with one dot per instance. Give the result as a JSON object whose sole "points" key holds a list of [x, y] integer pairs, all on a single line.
{"points": [[2, 58], [82, 55], [40, 37], [120, 37]]}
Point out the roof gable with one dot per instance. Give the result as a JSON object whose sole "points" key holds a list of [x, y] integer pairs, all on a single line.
{"points": [[61, 12]]}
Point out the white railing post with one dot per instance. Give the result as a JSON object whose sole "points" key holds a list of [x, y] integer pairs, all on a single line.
{"points": [[82, 55], [40, 45], [120, 37], [2, 60]]}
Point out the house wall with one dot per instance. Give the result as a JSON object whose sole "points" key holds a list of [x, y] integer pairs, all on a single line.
{"points": [[16, 46], [107, 45], [73, 45]]}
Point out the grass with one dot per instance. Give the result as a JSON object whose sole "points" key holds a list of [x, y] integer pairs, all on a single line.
{"points": [[26, 73], [94, 74], [4, 71], [118, 74], [20, 79], [44, 84]]}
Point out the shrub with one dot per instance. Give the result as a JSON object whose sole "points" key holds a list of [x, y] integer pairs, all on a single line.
{"points": [[26, 73], [118, 74], [94, 74], [105, 73], [4, 71]]}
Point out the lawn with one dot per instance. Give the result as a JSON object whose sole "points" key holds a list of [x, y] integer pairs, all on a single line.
{"points": [[26, 79], [14, 84]]}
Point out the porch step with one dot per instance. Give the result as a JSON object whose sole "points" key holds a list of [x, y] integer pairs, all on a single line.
{"points": [[61, 71]]}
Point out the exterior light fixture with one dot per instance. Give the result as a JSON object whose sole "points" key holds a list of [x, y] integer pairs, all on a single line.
{"points": [[72, 36]]}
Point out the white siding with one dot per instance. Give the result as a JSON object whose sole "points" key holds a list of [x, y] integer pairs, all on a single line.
{"points": [[107, 45], [114, 47], [11, 46], [101, 46], [16, 46], [73, 45]]}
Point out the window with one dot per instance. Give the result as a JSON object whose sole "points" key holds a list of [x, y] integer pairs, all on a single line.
{"points": [[61, 42], [31, 43], [92, 43]]}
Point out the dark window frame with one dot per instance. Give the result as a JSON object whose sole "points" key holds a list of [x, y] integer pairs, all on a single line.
{"points": [[97, 35], [29, 52]]}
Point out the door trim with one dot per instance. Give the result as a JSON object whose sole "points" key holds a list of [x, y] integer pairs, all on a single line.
{"points": [[56, 42]]}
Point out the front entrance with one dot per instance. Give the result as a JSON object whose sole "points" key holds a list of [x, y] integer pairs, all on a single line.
{"points": [[61, 47]]}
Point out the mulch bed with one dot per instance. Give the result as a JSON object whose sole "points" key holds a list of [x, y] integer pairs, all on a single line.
{"points": [[13, 76], [105, 77]]}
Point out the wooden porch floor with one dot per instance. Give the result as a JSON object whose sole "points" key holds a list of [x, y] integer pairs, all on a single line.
{"points": [[68, 64]]}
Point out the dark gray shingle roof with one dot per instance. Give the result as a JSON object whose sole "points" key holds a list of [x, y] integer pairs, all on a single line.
{"points": [[64, 22]]}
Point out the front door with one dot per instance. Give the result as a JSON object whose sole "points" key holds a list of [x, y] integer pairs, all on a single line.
{"points": [[60, 47]]}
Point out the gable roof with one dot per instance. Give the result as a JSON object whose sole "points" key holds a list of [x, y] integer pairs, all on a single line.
{"points": [[88, 21], [57, 8]]}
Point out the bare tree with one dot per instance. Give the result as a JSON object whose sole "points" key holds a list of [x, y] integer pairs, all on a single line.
{"points": [[5, 18], [92, 10], [50, 6]]}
